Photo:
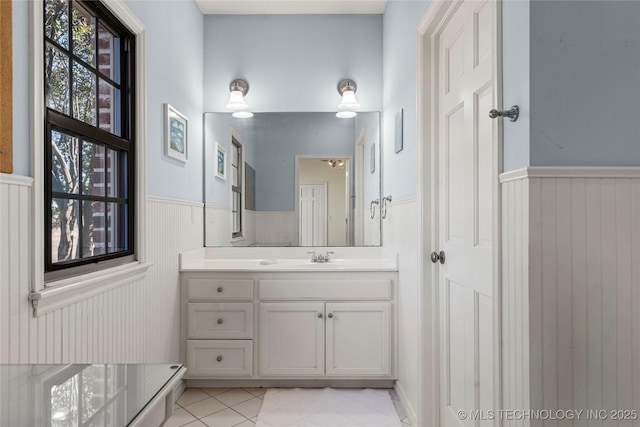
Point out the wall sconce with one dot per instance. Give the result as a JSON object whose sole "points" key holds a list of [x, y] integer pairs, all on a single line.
{"points": [[237, 104], [347, 89]]}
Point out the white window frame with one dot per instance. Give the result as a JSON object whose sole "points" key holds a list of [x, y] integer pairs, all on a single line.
{"points": [[47, 296]]}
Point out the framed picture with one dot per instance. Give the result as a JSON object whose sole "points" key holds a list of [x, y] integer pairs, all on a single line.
{"points": [[373, 157], [175, 134], [398, 141], [221, 162]]}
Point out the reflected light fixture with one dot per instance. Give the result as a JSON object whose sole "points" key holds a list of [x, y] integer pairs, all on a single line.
{"points": [[334, 163], [237, 104], [347, 89]]}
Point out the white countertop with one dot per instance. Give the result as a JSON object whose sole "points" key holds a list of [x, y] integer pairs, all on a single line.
{"points": [[292, 260]]}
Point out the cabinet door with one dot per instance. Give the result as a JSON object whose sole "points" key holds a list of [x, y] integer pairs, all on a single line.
{"points": [[358, 339], [292, 339]]}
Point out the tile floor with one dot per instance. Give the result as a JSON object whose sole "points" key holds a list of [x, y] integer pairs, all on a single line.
{"points": [[231, 407]]}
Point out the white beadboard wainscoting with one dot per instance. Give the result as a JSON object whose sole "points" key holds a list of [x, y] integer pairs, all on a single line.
{"points": [[571, 290], [400, 236], [276, 228], [218, 223], [137, 322]]}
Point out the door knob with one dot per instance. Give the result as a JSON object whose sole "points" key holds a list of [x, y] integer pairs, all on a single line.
{"points": [[437, 256], [220, 321], [319, 315], [512, 113]]}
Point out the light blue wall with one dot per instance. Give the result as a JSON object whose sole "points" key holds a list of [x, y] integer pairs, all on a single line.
{"points": [[21, 138], [401, 19], [293, 62], [174, 36], [515, 81], [585, 83]]}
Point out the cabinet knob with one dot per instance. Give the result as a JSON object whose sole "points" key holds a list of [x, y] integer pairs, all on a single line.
{"points": [[220, 290], [220, 321], [319, 315], [330, 315], [219, 358]]}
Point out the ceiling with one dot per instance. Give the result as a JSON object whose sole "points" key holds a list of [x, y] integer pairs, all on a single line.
{"points": [[290, 7]]}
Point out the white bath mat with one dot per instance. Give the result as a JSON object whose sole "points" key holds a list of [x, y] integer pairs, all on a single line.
{"points": [[327, 407]]}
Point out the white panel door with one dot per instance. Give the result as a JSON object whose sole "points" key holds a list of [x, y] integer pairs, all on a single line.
{"points": [[313, 214], [292, 339], [358, 339], [467, 141]]}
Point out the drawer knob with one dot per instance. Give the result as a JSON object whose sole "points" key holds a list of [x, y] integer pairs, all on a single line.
{"points": [[319, 315], [219, 358], [220, 290], [220, 321], [330, 315]]}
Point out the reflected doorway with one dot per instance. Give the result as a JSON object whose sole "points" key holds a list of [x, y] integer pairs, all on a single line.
{"points": [[323, 194]]}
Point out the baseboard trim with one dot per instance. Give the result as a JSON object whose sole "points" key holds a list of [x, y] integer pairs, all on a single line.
{"points": [[291, 383], [408, 408]]}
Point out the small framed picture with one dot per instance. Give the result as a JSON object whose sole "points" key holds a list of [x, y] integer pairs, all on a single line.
{"points": [[221, 162], [398, 141], [373, 157], [175, 134]]}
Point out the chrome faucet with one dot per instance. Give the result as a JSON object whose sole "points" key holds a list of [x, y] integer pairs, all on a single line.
{"points": [[319, 258]]}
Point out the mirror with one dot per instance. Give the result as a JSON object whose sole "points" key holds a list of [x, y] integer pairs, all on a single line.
{"points": [[292, 179]]}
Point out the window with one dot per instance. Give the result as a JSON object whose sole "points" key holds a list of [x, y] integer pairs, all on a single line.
{"points": [[89, 128], [236, 187]]}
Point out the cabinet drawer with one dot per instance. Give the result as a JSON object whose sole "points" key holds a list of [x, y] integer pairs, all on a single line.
{"points": [[372, 289], [220, 358], [220, 320], [220, 289]]}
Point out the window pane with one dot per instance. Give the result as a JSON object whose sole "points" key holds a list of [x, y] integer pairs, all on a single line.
{"points": [[113, 174], [108, 54], [84, 34], [234, 155], [234, 176], [109, 107], [64, 161], [84, 94], [116, 227], [93, 390], [56, 21], [93, 173], [93, 233], [64, 403], [56, 81], [64, 230]]}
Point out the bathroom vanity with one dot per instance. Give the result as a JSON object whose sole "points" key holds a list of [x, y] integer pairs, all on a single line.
{"points": [[271, 316]]}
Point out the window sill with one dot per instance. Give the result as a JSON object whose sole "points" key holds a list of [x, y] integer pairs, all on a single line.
{"points": [[65, 292]]}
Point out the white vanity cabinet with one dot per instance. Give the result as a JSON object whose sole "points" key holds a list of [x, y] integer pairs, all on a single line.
{"points": [[217, 327], [325, 339], [267, 328]]}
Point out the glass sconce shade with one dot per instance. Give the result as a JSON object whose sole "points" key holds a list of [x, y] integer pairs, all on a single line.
{"points": [[348, 100], [236, 101]]}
